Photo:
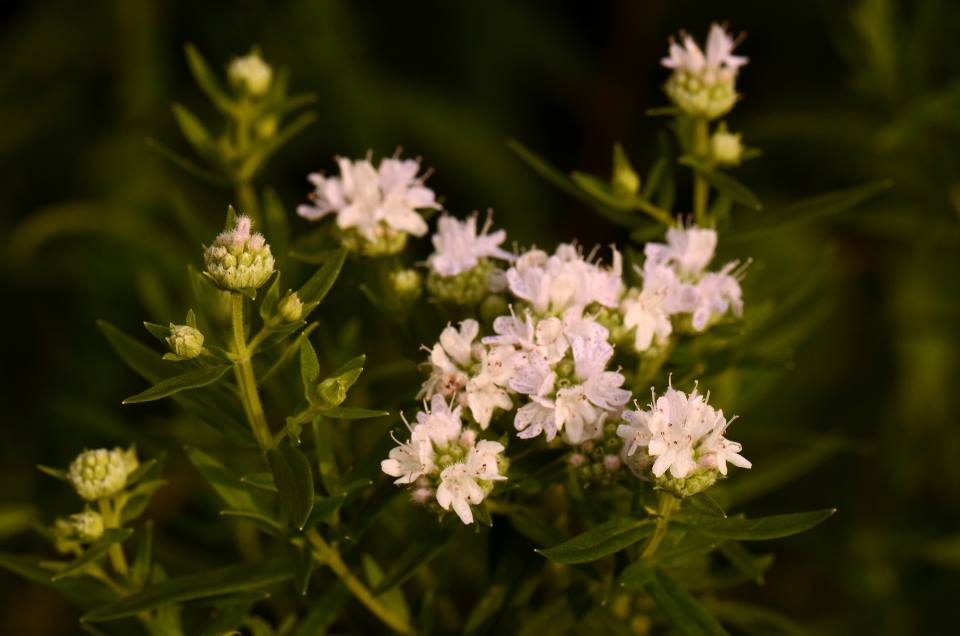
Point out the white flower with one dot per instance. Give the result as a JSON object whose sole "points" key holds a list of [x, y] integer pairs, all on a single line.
{"points": [[459, 248], [459, 488], [250, 74], [553, 284], [472, 374], [372, 201], [716, 294], [681, 433], [483, 460], [239, 259], [647, 311], [438, 424], [719, 62], [687, 250], [409, 461]]}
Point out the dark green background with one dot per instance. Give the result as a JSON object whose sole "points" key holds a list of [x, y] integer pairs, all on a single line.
{"points": [[837, 93]]}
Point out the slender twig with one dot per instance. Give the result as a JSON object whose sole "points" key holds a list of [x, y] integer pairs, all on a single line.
{"points": [[329, 556], [243, 369], [667, 505], [701, 189]]}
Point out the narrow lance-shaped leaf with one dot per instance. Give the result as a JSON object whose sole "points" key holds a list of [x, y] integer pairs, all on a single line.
{"points": [[294, 480], [309, 368], [194, 379], [229, 580], [207, 81], [351, 413], [194, 132], [226, 484], [599, 541], [317, 286], [683, 610], [764, 528]]}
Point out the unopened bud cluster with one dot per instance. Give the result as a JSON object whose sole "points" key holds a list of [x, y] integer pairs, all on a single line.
{"points": [[239, 260], [101, 473]]}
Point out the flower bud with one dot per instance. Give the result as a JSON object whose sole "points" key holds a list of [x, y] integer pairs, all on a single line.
{"points": [[688, 486], [239, 260], [84, 526], [291, 307], [185, 341], [466, 288], [250, 74], [387, 242], [625, 178], [708, 95], [407, 284], [726, 147], [101, 473]]}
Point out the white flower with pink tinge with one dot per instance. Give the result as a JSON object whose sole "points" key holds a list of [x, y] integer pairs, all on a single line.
{"points": [[681, 434], [718, 61], [372, 201], [459, 247]]}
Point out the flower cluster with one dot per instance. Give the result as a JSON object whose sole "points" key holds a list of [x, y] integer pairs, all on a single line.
{"points": [[375, 208], [676, 284], [102, 473], [239, 260], [702, 82], [461, 270], [680, 440], [444, 461]]}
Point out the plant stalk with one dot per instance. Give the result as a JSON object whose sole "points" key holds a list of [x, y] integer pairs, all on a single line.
{"points": [[668, 503], [701, 189], [118, 559], [328, 555], [247, 383]]}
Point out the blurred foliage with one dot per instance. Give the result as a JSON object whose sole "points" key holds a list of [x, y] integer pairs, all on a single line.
{"points": [[97, 224]]}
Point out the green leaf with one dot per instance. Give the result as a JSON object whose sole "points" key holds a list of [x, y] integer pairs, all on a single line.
{"points": [[309, 368], [195, 379], [249, 168], [763, 528], [810, 209], [276, 227], [226, 484], [57, 473], [267, 522], [753, 619], [723, 182], [752, 567], [261, 481], [140, 569], [207, 81], [288, 354], [139, 497], [195, 132], [393, 599], [599, 541], [324, 611], [326, 457], [317, 286], [294, 480], [183, 163], [229, 580], [351, 413], [94, 552], [686, 613]]}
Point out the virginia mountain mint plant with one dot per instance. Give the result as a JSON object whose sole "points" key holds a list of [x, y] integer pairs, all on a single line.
{"points": [[537, 448]]}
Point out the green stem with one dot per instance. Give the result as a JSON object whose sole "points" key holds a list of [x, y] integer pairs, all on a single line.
{"points": [[668, 503], [328, 555], [118, 559], [246, 382], [701, 189]]}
